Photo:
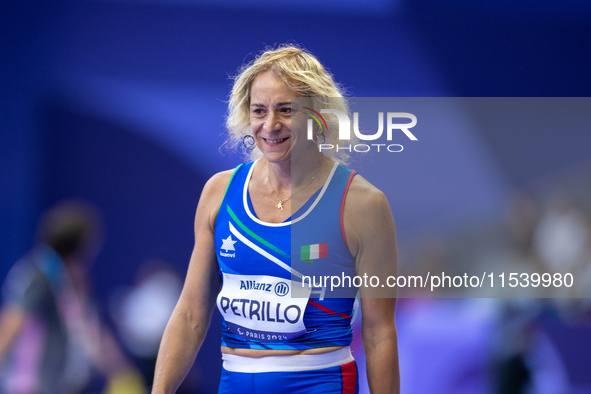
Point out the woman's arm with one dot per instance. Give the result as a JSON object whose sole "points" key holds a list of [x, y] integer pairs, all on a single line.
{"points": [[190, 319], [371, 236], [380, 343]]}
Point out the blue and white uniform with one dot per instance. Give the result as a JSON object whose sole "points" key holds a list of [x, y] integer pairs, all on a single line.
{"points": [[262, 264]]}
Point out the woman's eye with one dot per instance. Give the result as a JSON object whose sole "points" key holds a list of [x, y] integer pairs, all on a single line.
{"points": [[257, 111], [286, 110]]}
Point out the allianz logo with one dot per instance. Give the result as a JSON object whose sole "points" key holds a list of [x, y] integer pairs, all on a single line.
{"points": [[254, 285]]}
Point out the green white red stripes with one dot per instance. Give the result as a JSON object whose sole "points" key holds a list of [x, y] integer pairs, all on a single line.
{"points": [[313, 252]]}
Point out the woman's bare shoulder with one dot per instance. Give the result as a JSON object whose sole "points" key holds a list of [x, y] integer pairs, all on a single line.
{"points": [[212, 195], [364, 197], [366, 214], [219, 181]]}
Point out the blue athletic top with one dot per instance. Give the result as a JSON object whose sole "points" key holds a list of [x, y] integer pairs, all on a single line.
{"points": [[264, 264]]}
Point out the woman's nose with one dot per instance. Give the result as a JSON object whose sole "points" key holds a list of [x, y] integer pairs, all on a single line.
{"points": [[272, 122]]}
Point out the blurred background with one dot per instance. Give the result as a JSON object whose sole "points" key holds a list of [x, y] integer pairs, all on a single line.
{"points": [[122, 103]]}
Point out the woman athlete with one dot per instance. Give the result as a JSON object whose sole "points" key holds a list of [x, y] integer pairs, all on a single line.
{"points": [[245, 255]]}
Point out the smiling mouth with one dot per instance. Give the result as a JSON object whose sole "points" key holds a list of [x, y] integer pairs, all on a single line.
{"points": [[276, 141]]}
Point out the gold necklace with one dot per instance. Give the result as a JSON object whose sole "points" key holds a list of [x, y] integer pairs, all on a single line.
{"points": [[281, 202]]}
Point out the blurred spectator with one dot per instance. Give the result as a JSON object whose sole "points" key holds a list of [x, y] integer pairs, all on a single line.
{"points": [[141, 312], [51, 338], [562, 237]]}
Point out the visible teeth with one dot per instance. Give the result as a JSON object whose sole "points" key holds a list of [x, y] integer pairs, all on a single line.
{"points": [[276, 141]]}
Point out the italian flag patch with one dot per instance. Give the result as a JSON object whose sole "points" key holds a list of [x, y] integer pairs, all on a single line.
{"points": [[313, 252]]}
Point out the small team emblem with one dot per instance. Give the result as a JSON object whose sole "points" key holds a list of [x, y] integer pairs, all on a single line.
{"points": [[228, 243]]}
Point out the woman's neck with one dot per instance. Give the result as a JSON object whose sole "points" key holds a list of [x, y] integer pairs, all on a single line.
{"points": [[295, 173]]}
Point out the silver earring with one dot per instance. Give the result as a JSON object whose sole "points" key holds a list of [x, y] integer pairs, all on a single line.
{"points": [[248, 142], [320, 136]]}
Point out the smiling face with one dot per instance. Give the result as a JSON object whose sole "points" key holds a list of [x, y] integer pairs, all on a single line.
{"points": [[271, 117]]}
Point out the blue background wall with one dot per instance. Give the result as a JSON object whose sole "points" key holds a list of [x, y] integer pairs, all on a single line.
{"points": [[122, 102]]}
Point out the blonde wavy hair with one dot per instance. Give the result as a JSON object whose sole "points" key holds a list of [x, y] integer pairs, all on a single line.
{"points": [[301, 72]]}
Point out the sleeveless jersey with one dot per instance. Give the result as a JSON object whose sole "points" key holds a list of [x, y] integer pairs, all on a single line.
{"points": [[258, 260]]}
